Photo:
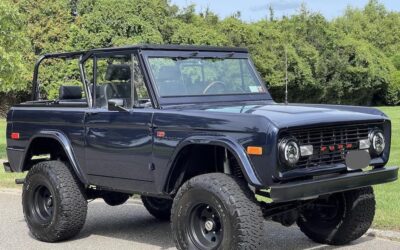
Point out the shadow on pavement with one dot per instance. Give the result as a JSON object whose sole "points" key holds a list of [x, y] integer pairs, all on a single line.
{"points": [[131, 222]]}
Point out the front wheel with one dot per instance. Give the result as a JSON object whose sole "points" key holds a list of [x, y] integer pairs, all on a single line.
{"points": [[339, 218], [216, 211]]}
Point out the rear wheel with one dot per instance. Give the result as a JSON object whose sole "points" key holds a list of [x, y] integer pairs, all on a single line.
{"points": [[53, 203], [216, 211], [339, 218], [158, 207]]}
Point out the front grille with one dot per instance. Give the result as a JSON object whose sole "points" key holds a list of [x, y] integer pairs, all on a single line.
{"points": [[329, 136]]}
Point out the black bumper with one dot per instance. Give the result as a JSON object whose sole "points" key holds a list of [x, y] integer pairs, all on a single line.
{"points": [[307, 189], [7, 167]]}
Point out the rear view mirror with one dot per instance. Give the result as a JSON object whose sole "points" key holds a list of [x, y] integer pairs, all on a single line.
{"points": [[116, 105]]}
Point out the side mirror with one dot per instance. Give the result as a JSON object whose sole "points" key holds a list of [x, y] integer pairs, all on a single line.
{"points": [[116, 105]]}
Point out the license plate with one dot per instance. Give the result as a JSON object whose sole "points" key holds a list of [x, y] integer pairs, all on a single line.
{"points": [[357, 159]]}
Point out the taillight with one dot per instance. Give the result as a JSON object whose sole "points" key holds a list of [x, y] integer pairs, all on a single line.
{"points": [[15, 136]]}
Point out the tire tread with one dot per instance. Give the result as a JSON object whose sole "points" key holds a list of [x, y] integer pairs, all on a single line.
{"points": [[360, 211], [241, 202], [73, 204]]}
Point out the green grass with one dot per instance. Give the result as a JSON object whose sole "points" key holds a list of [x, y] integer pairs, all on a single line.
{"points": [[387, 195], [3, 126], [6, 179]]}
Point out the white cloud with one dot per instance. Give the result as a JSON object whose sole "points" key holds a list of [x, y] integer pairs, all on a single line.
{"points": [[283, 5]]}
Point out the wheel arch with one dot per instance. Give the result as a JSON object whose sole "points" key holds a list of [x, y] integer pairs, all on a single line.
{"points": [[233, 147], [56, 138]]}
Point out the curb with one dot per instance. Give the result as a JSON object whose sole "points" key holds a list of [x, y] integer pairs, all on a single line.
{"points": [[385, 234]]}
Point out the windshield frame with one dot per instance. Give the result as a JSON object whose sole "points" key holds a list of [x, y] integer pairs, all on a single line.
{"points": [[190, 99]]}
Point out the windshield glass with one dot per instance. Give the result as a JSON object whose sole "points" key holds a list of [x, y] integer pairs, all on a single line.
{"points": [[176, 76]]}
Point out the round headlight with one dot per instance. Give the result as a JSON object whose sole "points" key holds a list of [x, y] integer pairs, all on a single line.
{"points": [[377, 142], [289, 151]]}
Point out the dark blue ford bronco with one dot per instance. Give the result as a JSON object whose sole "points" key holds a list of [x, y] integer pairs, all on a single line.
{"points": [[194, 131]]}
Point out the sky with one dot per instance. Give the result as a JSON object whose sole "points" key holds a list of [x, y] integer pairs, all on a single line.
{"points": [[254, 10]]}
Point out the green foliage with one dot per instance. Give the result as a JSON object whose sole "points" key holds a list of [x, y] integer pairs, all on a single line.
{"points": [[353, 59], [107, 23], [47, 24], [197, 29], [374, 24], [13, 49], [354, 72]]}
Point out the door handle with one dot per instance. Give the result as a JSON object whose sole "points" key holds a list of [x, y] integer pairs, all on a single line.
{"points": [[92, 113], [152, 128]]}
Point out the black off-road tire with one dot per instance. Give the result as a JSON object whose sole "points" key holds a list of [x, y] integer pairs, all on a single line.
{"points": [[355, 218], [239, 223], [64, 197], [158, 207]]}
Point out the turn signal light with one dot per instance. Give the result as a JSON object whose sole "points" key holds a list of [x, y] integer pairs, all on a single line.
{"points": [[251, 150]]}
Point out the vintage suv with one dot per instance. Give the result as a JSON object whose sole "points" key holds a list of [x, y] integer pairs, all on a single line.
{"points": [[194, 131]]}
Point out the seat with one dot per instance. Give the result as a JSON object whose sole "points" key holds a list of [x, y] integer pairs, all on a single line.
{"points": [[119, 85], [70, 92], [170, 81]]}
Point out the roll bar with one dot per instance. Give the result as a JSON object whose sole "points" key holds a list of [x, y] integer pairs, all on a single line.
{"points": [[35, 82]]}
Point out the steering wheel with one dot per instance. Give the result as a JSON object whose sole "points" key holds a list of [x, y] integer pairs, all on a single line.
{"points": [[211, 85]]}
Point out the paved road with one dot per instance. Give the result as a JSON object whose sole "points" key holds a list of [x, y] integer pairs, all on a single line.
{"points": [[130, 227]]}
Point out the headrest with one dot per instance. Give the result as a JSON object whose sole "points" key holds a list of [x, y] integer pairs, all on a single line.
{"points": [[169, 73], [121, 72], [70, 92]]}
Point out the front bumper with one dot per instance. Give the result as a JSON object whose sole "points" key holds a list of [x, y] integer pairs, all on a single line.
{"points": [[307, 189]]}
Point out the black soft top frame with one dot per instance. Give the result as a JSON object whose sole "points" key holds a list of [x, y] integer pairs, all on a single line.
{"points": [[84, 55]]}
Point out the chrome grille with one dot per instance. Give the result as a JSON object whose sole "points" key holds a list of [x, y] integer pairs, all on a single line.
{"points": [[329, 136]]}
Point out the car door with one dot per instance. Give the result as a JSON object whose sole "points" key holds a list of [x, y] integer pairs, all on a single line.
{"points": [[118, 137]]}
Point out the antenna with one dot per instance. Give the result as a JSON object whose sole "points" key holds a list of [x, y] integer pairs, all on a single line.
{"points": [[286, 78]]}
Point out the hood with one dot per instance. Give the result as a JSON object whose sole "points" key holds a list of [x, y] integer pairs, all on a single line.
{"points": [[294, 115]]}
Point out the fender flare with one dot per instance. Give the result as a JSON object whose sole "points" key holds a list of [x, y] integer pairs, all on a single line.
{"points": [[65, 144], [229, 143]]}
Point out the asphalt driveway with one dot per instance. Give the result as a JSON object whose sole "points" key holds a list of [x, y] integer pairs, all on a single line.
{"points": [[131, 227]]}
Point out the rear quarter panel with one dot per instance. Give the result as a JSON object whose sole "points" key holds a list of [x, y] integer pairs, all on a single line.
{"points": [[30, 121]]}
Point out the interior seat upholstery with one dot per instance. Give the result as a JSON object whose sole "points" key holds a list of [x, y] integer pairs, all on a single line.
{"points": [[119, 85], [72, 92], [170, 81]]}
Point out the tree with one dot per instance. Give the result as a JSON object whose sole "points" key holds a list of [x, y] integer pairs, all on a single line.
{"points": [[47, 24], [353, 59], [106, 23], [354, 72], [374, 24], [13, 49]]}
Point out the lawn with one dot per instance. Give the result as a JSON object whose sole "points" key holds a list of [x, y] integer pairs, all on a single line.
{"points": [[3, 126], [387, 196], [6, 179]]}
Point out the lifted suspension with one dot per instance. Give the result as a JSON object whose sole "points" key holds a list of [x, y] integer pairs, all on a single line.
{"points": [[285, 213]]}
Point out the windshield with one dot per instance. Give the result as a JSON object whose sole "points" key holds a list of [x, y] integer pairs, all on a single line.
{"points": [[176, 76]]}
